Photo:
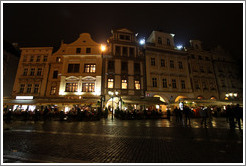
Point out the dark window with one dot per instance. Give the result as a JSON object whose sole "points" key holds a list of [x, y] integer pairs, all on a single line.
{"points": [[90, 68], [174, 83], [125, 51], [117, 50], [32, 72], [192, 56], [24, 58], [39, 72], [124, 67], [88, 87], [38, 58], [180, 65], [25, 72], [124, 37], [73, 68], [78, 50], [164, 83], [88, 50], [36, 88], [55, 74], [154, 82], [29, 88], [152, 61], [22, 86], [162, 63], [159, 40], [31, 58], [136, 68], [171, 64], [168, 42], [111, 65], [45, 58], [182, 84], [199, 57], [201, 69], [71, 87], [132, 52], [207, 58]]}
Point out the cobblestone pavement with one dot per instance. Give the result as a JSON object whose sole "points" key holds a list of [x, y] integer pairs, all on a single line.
{"points": [[122, 141]]}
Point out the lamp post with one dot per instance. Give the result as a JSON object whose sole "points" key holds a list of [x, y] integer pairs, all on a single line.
{"points": [[103, 48], [111, 94]]}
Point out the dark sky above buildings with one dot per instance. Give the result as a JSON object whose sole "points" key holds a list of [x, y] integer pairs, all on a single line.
{"points": [[48, 24]]}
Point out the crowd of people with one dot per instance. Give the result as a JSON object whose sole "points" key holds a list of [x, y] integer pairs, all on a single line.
{"points": [[182, 116]]}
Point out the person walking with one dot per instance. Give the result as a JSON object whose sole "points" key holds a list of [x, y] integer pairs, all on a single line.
{"points": [[231, 116], [187, 115], [203, 114], [237, 111]]}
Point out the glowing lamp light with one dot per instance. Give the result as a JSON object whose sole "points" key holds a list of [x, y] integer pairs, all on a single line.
{"points": [[235, 94], [231, 94], [116, 92], [179, 47], [142, 41], [24, 97], [172, 34], [227, 95], [103, 48]]}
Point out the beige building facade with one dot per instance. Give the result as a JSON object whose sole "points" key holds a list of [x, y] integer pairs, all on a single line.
{"points": [[167, 71]]}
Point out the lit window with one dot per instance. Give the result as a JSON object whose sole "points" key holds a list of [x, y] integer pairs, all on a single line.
{"points": [[73, 68], [22, 86], [38, 58], [164, 83], [71, 87], [58, 59], [39, 71], [53, 90], [137, 84], [110, 83], [152, 61], [32, 72], [25, 72], [124, 84], [88, 87], [36, 87], [182, 84], [90, 68], [174, 83], [29, 88], [154, 82]]}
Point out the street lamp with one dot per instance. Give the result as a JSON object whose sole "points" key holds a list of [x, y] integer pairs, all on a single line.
{"points": [[103, 48], [111, 94]]}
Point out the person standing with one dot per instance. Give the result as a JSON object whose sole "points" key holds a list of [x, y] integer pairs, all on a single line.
{"points": [[203, 114]]}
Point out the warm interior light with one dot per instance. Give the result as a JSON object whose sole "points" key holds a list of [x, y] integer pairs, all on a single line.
{"points": [[103, 48]]}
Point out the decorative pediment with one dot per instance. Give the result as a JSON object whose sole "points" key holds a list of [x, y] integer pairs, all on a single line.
{"points": [[72, 78], [89, 78]]}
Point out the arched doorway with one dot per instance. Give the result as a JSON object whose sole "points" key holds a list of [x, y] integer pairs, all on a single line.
{"points": [[113, 103]]}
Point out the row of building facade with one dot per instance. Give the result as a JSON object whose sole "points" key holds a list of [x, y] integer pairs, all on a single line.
{"points": [[125, 73]]}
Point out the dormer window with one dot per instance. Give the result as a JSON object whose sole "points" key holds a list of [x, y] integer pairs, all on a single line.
{"points": [[125, 37]]}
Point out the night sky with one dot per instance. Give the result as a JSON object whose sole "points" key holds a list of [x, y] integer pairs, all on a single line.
{"points": [[48, 24]]}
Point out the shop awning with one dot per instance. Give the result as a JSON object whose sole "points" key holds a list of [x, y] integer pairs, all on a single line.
{"points": [[144, 101]]}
